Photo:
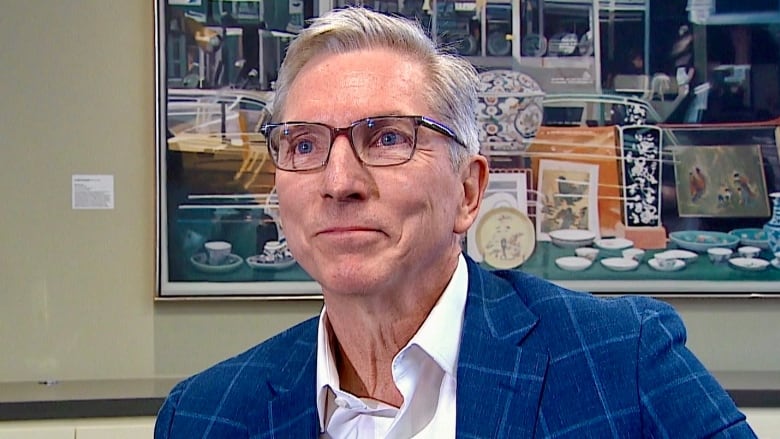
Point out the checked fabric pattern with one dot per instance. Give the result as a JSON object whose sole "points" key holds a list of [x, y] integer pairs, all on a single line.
{"points": [[536, 361]]}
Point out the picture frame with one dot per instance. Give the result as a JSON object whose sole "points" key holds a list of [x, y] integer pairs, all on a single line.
{"points": [[735, 173], [540, 104], [568, 197]]}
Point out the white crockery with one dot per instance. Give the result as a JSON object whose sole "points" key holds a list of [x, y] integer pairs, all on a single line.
{"points": [[587, 252], [573, 263], [686, 256], [669, 264], [620, 264], [613, 243], [217, 251], [749, 264], [665, 261], [634, 253], [719, 254], [572, 237], [748, 251]]}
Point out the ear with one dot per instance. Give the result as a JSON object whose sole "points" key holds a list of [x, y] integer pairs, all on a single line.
{"points": [[474, 177]]}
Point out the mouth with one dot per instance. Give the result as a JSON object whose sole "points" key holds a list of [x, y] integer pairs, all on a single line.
{"points": [[347, 230]]}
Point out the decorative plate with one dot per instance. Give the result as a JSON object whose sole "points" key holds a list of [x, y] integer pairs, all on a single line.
{"points": [[505, 237], [231, 262], [700, 240]]}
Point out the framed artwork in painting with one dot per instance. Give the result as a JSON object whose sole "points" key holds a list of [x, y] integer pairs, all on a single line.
{"points": [[568, 197], [720, 181]]}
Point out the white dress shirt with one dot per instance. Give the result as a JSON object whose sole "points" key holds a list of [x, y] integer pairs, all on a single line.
{"points": [[424, 371]]}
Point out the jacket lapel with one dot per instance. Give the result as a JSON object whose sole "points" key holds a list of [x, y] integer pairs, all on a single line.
{"points": [[501, 368], [292, 412]]}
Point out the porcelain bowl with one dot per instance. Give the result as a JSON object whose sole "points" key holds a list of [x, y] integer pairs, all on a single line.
{"points": [[701, 240], [719, 255], [620, 264], [572, 238], [751, 237], [573, 263]]}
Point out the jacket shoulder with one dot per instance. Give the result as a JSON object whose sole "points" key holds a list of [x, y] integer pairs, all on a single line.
{"points": [[234, 388], [578, 317]]}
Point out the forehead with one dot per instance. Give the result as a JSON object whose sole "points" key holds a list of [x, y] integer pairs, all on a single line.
{"points": [[340, 88]]}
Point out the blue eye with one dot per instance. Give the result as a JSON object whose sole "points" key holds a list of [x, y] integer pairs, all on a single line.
{"points": [[304, 147], [389, 139]]}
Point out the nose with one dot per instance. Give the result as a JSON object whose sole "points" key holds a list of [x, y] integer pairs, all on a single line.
{"points": [[346, 178]]}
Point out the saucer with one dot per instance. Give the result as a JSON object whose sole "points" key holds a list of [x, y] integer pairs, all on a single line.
{"points": [[749, 264], [231, 262], [679, 264], [620, 264], [262, 262]]}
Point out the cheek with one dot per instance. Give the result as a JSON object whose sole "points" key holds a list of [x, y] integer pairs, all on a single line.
{"points": [[289, 202]]}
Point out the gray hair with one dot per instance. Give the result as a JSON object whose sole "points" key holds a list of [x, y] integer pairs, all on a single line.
{"points": [[451, 89]]}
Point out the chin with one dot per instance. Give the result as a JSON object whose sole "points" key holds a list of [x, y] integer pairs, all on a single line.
{"points": [[352, 280]]}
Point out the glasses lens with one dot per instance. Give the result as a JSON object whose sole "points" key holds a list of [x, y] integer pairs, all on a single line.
{"points": [[384, 141], [299, 146]]}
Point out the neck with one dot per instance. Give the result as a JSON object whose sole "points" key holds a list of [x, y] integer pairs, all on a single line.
{"points": [[369, 331]]}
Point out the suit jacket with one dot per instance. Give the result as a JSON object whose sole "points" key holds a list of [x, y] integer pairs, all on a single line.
{"points": [[535, 360]]}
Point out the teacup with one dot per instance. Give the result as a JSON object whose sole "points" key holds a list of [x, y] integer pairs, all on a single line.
{"points": [[217, 251], [634, 253], [589, 253], [749, 251], [719, 254], [275, 249], [665, 261]]}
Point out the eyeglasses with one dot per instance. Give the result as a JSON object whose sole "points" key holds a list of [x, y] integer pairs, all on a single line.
{"points": [[376, 141]]}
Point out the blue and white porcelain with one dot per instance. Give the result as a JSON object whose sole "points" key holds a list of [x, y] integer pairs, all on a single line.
{"points": [[772, 227]]}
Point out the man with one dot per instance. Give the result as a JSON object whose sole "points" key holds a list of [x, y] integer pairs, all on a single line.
{"points": [[378, 178]]}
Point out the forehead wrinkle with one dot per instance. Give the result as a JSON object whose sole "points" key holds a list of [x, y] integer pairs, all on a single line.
{"points": [[357, 86]]}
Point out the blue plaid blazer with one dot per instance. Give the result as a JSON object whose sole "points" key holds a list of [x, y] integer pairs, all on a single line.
{"points": [[536, 361]]}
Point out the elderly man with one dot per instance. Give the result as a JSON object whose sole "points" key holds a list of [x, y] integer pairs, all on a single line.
{"points": [[378, 179]]}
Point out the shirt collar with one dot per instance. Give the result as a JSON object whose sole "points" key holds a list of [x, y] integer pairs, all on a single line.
{"points": [[436, 336]]}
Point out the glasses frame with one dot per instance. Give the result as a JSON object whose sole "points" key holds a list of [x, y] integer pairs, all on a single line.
{"points": [[347, 131]]}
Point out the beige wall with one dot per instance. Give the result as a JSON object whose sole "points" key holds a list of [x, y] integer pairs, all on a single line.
{"points": [[76, 287]]}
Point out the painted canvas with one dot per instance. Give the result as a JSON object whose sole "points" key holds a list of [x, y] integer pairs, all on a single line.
{"points": [[720, 181]]}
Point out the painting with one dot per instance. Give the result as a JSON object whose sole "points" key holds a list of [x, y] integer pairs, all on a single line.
{"points": [[568, 197], [652, 142], [720, 181]]}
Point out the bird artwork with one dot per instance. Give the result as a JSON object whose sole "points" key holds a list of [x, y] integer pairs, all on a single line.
{"points": [[724, 195], [721, 181], [746, 190], [697, 183], [572, 191]]}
